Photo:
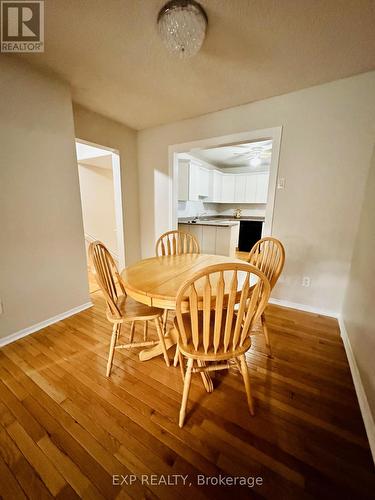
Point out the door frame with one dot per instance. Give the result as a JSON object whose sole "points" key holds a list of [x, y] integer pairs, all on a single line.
{"points": [[274, 134], [117, 190]]}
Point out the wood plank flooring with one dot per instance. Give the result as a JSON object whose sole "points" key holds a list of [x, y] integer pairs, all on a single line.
{"points": [[65, 429]]}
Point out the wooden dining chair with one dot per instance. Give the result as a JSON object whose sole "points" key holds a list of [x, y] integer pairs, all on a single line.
{"points": [[268, 255], [208, 326], [120, 307], [175, 243]]}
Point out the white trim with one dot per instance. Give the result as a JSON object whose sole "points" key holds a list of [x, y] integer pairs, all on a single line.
{"points": [[226, 140], [368, 418], [43, 324], [304, 307], [117, 190], [90, 239]]}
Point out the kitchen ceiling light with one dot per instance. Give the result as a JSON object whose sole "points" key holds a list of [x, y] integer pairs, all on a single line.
{"points": [[255, 162], [182, 26]]}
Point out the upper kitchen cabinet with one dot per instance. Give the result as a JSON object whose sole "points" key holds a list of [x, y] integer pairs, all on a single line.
{"points": [[261, 192], [215, 186], [196, 182], [193, 181], [227, 192]]}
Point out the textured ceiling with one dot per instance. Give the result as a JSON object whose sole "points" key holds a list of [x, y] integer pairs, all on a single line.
{"points": [[236, 156], [110, 53]]}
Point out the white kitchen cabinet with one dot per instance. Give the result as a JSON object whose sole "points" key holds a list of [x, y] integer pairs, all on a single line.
{"points": [[250, 190], [216, 240], [208, 244], [193, 181], [183, 180], [194, 229], [227, 192], [240, 188], [204, 178], [261, 193], [217, 185]]}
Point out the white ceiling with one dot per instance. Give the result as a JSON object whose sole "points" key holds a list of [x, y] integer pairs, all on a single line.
{"points": [[110, 53], [92, 156], [237, 156]]}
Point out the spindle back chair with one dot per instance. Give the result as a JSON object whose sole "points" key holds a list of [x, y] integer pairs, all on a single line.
{"points": [[120, 307], [176, 243], [268, 255], [210, 328]]}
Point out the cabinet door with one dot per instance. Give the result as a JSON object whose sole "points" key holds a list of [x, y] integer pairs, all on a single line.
{"points": [[208, 239], [228, 188], [194, 229], [183, 180], [250, 190], [222, 240], [239, 188], [217, 180], [262, 188], [203, 182], [194, 178]]}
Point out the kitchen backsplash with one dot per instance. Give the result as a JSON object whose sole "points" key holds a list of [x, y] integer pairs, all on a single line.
{"points": [[195, 208]]}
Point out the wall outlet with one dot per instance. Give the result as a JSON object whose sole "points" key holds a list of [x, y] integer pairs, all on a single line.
{"points": [[281, 183], [306, 281]]}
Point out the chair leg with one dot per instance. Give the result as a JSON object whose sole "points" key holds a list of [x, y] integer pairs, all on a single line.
{"points": [[176, 356], [266, 336], [206, 379], [182, 364], [185, 393], [162, 340], [132, 328], [165, 319], [145, 329], [115, 332], [246, 379]]}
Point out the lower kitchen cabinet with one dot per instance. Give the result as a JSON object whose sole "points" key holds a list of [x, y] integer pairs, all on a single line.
{"points": [[216, 240]]}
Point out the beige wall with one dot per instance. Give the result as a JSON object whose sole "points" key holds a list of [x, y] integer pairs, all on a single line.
{"points": [[42, 261], [98, 204], [328, 136], [90, 126], [359, 305]]}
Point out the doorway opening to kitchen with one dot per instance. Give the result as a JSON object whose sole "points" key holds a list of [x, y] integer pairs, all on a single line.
{"points": [[101, 200], [223, 190]]}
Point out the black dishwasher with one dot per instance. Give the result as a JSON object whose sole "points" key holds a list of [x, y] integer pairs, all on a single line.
{"points": [[250, 233]]}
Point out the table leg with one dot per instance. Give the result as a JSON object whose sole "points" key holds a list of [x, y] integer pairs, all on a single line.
{"points": [[170, 340]]}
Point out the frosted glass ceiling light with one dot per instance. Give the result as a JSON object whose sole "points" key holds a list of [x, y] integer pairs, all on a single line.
{"points": [[255, 162], [182, 26]]}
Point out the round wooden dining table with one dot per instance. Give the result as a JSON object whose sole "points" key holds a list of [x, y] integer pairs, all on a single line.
{"points": [[156, 281]]}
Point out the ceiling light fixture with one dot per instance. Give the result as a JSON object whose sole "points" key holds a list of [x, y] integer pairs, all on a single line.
{"points": [[255, 162], [182, 26]]}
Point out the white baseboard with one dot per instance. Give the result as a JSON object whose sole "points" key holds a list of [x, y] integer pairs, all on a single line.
{"points": [[368, 418], [304, 307], [43, 324]]}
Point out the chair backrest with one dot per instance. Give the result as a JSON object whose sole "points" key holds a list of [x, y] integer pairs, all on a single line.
{"points": [[176, 243], [213, 324], [268, 255], [106, 274]]}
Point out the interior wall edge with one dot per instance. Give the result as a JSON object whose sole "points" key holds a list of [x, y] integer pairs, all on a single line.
{"points": [[368, 417]]}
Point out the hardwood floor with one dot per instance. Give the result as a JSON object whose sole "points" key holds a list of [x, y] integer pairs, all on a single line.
{"points": [[65, 429]]}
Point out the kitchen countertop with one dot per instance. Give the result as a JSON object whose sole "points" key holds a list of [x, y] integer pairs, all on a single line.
{"points": [[216, 222], [219, 220]]}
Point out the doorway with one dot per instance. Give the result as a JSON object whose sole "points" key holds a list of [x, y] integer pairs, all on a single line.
{"points": [[101, 200], [223, 177]]}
